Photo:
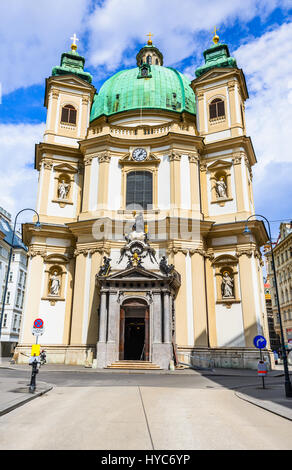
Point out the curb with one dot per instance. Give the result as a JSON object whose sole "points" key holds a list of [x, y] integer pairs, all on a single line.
{"points": [[274, 408], [19, 403]]}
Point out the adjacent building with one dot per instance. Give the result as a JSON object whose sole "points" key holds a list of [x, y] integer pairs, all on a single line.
{"points": [[144, 190], [16, 283], [283, 266]]}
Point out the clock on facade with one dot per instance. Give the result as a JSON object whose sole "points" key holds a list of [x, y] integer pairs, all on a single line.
{"points": [[139, 154]]}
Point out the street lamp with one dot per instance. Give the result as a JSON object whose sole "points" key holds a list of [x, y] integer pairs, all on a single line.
{"points": [[37, 226], [288, 387]]}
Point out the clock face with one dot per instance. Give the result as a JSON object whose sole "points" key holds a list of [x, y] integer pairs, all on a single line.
{"points": [[139, 154]]}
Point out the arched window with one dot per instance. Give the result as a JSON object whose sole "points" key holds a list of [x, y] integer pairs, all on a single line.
{"points": [[139, 192], [217, 108], [69, 114], [149, 59]]}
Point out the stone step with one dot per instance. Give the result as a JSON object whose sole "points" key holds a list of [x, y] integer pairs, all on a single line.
{"points": [[145, 365]]}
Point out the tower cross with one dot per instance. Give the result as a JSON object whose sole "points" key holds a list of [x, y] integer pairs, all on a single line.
{"points": [[150, 36], [74, 39]]}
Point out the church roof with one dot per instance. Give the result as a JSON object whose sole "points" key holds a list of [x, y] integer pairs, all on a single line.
{"points": [[157, 87], [216, 56]]}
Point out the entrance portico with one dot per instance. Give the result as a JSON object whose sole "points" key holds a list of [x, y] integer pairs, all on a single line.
{"points": [[137, 311]]}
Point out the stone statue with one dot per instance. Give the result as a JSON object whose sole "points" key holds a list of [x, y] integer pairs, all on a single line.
{"points": [[221, 188], [164, 267], [227, 286], [55, 284], [63, 190], [138, 232], [105, 268]]}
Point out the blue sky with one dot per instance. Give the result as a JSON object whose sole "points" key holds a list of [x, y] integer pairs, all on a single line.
{"points": [[34, 34]]}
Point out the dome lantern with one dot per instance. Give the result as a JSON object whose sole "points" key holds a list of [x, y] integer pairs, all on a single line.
{"points": [[149, 54]]}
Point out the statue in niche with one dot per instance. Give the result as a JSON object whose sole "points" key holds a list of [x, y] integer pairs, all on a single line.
{"points": [[63, 189], [227, 285], [164, 267], [54, 284], [221, 188]]}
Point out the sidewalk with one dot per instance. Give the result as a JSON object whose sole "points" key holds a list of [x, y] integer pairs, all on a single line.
{"points": [[14, 392]]}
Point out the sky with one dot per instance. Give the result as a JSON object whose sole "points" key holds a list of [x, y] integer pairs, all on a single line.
{"points": [[34, 34]]}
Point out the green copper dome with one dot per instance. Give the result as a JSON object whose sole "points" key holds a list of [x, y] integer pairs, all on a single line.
{"points": [[144, 87]]}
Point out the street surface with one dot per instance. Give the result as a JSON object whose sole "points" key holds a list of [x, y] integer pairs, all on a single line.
{"points": [[117, 411]]}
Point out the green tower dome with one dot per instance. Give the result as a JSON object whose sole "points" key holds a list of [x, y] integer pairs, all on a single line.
{"points": [[144, 87]]}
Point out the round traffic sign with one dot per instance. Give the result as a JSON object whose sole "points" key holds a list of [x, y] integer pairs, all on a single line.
{"points": [[260, 342], [38, 323]]}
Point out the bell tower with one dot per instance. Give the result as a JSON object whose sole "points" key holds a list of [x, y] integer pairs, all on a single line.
{"points": [[68, 99], [221, 92]]}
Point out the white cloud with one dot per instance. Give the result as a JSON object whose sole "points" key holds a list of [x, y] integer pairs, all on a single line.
{"points": [[178, 26], [33, 35], [19, 178], [267, 65]]}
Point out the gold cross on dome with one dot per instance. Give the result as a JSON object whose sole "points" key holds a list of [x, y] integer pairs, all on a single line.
{"points": [[150, 40], [215, 37]]}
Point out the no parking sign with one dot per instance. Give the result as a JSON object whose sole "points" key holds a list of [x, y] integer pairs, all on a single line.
{"points": [[38, 327]]}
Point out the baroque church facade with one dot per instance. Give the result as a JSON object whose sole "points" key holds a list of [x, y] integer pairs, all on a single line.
{"points": [[144, 189]]}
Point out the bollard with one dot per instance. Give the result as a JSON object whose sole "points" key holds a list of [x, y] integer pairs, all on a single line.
{"points": [[34, 371]]}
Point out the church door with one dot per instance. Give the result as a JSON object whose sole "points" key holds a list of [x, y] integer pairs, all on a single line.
{"points": [[134, 331]]}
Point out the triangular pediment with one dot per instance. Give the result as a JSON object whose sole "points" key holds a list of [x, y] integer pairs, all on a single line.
{"points": [[219, 165], [135, 272], [66, 167], [71, 79], [128, 158], [218, 72]]}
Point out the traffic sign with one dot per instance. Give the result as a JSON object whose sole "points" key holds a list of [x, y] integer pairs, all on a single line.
{"points": [[37, 331], [260, 342], [38, 323]]}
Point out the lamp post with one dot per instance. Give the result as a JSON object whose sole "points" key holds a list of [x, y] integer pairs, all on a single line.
{"points": [[37, 226], [288, 387]]}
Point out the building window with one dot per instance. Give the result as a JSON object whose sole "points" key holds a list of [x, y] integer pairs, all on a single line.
{"points": [[139, 190], [69, 114], [217, 108], [18, 298], [5, 320], [8, 298]]}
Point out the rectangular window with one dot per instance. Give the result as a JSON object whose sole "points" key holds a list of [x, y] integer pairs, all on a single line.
{"points": [[139, 193]]}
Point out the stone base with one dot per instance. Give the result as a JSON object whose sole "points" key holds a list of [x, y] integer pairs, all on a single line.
{"points": [[228, 358], [162, 354], [72, 355], [106, 354]]}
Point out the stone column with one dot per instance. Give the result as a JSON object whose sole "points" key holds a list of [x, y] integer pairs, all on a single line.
{"points": [[199, 298], [47, 167], [167, 318], [101, 353], [86, 182], [112, 347], [78, 299], [247, 297], [175, 180], [238, 182], [194, 182], [103, 175], [204, 188], [161, 352], [157, 317], [102, 318]]}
